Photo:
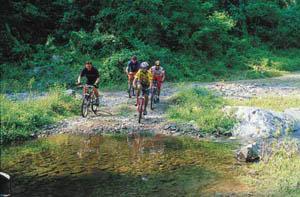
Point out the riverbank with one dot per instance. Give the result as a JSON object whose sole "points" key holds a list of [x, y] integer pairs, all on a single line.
{"points": [[118, 116]]}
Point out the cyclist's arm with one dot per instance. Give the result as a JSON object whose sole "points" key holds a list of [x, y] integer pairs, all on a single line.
{"points": [[127, 67], [79, 79], [150, 77], [97, 80], [163, 75], [98, 77], [136, 78], [82, 73]]}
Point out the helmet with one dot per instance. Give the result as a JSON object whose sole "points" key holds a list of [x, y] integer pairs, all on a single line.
{"points": [[157, 63], [144, 65]]}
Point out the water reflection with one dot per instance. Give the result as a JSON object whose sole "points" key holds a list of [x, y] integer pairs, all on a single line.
{"points": [[139, 144], [70, 165]]}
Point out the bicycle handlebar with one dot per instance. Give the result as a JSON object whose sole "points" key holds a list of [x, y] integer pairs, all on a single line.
{"points": [[87, 86]]}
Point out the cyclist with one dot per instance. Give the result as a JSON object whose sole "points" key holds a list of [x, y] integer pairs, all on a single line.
{"points": [[92, 75], [132, 68], [158, 74], [142, 81]]}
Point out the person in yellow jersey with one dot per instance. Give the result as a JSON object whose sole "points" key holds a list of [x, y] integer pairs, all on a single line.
{"points": [[142, 82]]}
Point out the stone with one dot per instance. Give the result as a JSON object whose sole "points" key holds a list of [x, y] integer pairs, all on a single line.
{"points": [[294, 113], [259, 123], [249, 153]]}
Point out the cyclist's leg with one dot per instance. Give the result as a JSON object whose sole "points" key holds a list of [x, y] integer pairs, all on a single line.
{"points": [[129, 80], [84, 90], [96, 91], [146, 91], [159, 84], [138, 88]]}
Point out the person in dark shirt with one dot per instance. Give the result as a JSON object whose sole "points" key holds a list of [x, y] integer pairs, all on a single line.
{"points": [[133, 65], [131, 69], [92, 75]]}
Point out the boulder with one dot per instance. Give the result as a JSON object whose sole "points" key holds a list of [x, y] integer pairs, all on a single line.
{"points": [[249, 153], [294, 113], [260, 123]]}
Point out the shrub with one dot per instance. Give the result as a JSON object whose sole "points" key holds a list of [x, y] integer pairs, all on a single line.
{"points": [[20, 119], [203, 108]]}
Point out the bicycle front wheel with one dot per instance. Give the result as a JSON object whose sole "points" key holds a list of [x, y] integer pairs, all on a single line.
{"points": [[95, 108], [85, 107], [152, 99]]}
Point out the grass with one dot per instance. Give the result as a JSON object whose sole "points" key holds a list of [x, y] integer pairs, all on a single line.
{"points": [[20, 119], [276, 103], [277, 174], [124, 110], [202, 107]]}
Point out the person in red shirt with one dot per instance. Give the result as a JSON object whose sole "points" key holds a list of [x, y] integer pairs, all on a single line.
{"points": [[158, 74]]}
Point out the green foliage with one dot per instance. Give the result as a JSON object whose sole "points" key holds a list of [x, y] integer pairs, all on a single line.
{"points": [[279, 172], [20, 119], [203, 108], [213, 38], [195, 40]]}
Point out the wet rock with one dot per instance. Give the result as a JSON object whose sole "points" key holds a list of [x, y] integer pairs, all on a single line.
{"points": [[172, 127], [249, 153]]}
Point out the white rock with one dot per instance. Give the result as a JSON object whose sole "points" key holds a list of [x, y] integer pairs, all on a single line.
{"points": [[259, 123], [295, 114]]}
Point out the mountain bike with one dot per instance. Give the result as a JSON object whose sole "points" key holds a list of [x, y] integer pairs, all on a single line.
{"points": [[88, 101], [130, 84], [154, 95], [140, 106]]}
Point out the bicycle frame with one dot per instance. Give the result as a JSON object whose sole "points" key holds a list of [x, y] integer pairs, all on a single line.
{"points": [[88, 100], [154, 87], [154, 94], [89, 90]]}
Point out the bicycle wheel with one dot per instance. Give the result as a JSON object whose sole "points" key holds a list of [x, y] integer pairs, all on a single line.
{"points": [[156, 97], [152, 98], [152, 102], [94, 106], [85, 107]]}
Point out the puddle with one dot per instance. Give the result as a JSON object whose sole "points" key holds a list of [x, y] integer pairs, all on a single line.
{"points": [[135, 165]]}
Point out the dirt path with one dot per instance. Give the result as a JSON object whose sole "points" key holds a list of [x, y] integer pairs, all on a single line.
{"points": [[118, 113]]}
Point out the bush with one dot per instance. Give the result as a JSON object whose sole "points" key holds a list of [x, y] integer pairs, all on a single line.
{"points": [[20, 119], [203, 108]]}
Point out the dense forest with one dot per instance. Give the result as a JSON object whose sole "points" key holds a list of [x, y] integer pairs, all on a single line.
{"points": [[46, 42]]}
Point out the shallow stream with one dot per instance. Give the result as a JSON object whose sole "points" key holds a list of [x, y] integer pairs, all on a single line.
{"points": [[121, 165]]}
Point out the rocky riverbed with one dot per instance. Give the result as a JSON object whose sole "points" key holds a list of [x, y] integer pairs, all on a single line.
{"points": [[118, 114]]}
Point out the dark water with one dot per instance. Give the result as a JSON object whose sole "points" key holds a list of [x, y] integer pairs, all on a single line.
{"points": [[135, 165]]}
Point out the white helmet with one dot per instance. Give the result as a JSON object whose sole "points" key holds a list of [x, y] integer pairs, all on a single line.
{"points": [[144, 65]]}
